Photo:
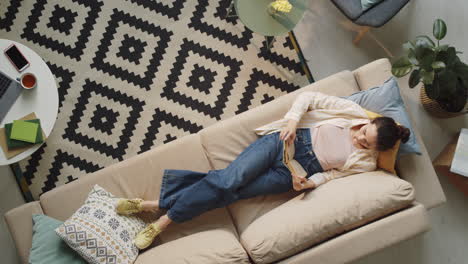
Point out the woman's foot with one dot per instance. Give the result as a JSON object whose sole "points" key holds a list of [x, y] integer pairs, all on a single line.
{"points": [[147, 235], [133, 206], [129, 206]]}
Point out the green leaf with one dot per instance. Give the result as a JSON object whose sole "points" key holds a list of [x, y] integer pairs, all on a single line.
{"points": [[407, 46], [448, 82], [402, 67], [427, 58], [412, 57], [414, 79], [442, 48], [425, 41], [439, 29], [438, 65], [451, 56], [427, 76]]}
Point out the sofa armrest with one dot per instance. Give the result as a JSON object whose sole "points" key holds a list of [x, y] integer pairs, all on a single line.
{"points": [[416, 169], [19, 221]]}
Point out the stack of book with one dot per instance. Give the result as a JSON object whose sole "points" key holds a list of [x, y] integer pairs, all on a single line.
{"points": [[23, 133]]}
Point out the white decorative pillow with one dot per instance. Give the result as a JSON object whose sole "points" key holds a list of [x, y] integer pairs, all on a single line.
{"points": [[98, 233]]}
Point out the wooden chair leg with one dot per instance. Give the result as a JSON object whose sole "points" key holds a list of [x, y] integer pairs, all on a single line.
{"points": [[360, 35]]}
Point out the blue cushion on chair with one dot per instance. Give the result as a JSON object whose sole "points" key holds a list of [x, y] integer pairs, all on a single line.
{"points": [[366, 4], [386, 100]]}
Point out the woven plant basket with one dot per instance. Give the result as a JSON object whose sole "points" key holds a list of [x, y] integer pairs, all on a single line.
{"points": [[434, 109]]}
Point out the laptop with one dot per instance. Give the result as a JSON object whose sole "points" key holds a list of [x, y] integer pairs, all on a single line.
{"points": [[10, 89]]}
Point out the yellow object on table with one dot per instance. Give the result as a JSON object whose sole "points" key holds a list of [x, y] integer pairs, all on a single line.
{"points": [[281, 6]]}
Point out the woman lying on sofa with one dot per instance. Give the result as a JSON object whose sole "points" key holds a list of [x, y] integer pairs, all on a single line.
{"points": [[333, 137]]}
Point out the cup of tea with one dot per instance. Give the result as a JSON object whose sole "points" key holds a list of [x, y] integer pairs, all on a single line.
{"points": [[28, 81]]}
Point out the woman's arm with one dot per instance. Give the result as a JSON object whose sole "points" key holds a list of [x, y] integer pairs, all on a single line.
{"points": [[315, 100], [365, 162]]}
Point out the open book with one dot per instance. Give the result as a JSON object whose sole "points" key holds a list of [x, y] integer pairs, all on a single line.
{"points": [[289, 161]]}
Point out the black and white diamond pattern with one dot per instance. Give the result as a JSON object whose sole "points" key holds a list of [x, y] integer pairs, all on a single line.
{"points": [[47, 26], [133, 75], [62, 19], [227, 67], [122, 39], [8, 10]]}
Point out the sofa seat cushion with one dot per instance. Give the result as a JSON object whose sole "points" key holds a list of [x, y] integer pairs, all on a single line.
{"points": [[139, 176], [210, 238], [316, 215]]}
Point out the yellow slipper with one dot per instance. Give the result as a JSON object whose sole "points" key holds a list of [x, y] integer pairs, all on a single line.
{"points": [[147, 236], [129, 206]]}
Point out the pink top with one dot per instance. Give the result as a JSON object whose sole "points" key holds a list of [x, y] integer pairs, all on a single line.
{"points": [[332, 145]]}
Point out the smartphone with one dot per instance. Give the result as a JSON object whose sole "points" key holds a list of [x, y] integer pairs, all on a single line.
{"points": [[16, 57]]}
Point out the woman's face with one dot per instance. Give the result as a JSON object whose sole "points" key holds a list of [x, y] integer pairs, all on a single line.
{"points": [[366, 137]]}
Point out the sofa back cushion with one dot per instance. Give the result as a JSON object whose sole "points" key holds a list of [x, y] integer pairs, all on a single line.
{"points": [[225, 140], [331, 209]]}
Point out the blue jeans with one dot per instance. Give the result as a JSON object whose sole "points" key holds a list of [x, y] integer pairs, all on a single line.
{"points": [[258, 170]]}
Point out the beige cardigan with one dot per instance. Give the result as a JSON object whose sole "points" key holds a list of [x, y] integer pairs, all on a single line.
{"points": [[313, 109]]}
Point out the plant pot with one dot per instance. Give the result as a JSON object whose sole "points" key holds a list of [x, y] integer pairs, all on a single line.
{"points": [[433, 108]]}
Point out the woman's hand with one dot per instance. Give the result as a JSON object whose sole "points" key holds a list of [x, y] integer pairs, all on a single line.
{"points": [[288, 133], [298, 182]]}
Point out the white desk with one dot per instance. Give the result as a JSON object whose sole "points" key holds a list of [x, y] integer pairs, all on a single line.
{"points": [[43, 100]]}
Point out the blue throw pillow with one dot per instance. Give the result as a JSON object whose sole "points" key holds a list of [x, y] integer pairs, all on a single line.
{"points": [[386, 100], [47, 246]]}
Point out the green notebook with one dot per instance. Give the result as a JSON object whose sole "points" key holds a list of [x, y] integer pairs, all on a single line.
{"points": [[12, 143], [24, 131]]}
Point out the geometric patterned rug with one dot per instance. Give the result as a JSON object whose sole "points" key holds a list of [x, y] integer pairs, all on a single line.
{"points": [[135, 74]]}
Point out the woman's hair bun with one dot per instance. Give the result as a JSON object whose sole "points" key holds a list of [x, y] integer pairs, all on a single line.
{"points": [[403, 133]]}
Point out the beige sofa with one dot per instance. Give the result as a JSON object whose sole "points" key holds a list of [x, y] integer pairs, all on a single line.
{"points": [[338, 222]]}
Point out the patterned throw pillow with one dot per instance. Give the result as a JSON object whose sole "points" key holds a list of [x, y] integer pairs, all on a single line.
{"points": [[98, 233]]}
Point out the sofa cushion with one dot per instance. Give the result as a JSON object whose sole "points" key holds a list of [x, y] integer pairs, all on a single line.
{"points": [[370, 238], [139, 176], [386, 100], [373, 74], [49, 248], [98, 233], [209, 238], [318, 214]]}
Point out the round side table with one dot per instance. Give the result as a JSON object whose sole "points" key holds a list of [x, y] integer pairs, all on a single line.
{"points": [[255, 16], [42, 100]]}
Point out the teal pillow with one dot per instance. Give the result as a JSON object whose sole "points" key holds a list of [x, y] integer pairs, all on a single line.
{"points": [[366, 4], [47, 246], [386, 100]]}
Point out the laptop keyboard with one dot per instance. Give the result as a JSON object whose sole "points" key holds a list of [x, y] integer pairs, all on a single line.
{"points": [[4, 84]]}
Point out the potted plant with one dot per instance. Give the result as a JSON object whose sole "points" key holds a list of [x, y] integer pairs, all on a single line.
{"points": [[438, 67]]}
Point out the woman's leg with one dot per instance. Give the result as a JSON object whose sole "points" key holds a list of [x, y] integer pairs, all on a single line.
{"points": [[220, 187]]}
